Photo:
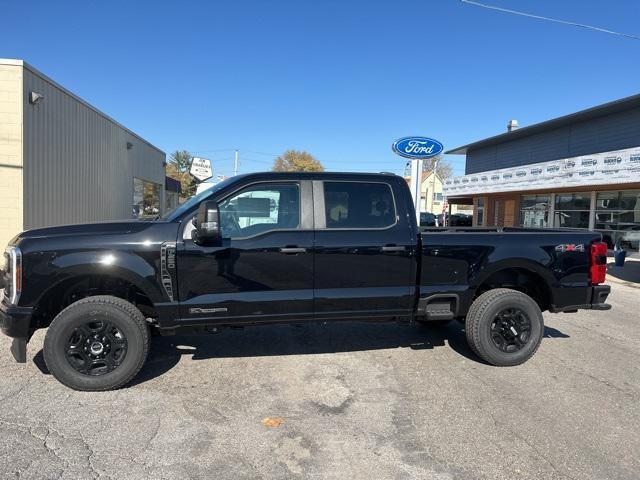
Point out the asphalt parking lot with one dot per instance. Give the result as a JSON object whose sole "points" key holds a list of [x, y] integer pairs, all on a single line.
{"points": [[341, 401]]}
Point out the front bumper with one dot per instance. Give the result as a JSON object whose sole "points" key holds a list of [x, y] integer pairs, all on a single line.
{"points": [[596, 298], [15, 322]]}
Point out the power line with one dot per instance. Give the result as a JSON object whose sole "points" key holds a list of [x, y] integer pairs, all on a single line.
{"points": [[262, 153], [540, 17], [245, 159], [211, 151]]}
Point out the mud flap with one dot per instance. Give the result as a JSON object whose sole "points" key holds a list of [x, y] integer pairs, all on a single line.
{"points": [[19, 349]]}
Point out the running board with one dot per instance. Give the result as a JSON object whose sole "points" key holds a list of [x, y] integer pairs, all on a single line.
{"points": [[438, 307]]}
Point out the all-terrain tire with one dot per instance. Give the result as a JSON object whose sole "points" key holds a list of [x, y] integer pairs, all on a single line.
{"points": [[482, 314], [122, 316]]}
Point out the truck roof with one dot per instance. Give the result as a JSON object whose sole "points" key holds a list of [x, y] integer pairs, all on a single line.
{"points": [[318, 175]]}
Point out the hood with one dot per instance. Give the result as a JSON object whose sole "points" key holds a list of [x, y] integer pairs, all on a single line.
{"points": [[97, 228]]}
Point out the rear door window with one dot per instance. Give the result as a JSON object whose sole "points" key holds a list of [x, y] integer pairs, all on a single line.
{"points": [[358, 205]]}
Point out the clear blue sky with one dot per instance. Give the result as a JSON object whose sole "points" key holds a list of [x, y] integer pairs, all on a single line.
{"points": [[341, 79]]}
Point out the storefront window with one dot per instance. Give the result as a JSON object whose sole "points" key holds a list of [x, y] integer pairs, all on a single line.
{"points": [[480, 211], [172, 200], [534, 211], [618, 218], [572, 210], [146, 198]]}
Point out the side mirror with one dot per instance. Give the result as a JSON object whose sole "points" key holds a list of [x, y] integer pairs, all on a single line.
{"points": [[207, 224]]}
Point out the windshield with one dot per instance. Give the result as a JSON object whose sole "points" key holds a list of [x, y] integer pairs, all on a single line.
{"points": [[195, 200]]}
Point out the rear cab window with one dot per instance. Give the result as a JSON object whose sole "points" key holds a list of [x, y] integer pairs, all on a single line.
{"points": [[368, 205]]}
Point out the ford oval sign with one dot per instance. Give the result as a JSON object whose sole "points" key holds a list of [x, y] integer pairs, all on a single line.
{"points": [[417, 147]]}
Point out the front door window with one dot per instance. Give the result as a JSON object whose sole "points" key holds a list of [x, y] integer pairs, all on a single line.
{"points": [[260, 208]]}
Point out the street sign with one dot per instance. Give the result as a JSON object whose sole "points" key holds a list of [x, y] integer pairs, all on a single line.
{"points": [[417, 148], [201, 168]]}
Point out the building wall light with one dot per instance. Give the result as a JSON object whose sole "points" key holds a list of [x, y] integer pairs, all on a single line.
{"points": [[35, 98]]}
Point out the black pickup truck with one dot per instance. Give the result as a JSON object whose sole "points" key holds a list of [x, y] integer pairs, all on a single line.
{"points": [[285, 247]]}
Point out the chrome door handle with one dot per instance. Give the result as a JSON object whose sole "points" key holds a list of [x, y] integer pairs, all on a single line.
{"points": [[293, 250]]}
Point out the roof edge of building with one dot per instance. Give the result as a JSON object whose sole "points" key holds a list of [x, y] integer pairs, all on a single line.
{"points": [[601, 110], [35, 71], [11, 61]]}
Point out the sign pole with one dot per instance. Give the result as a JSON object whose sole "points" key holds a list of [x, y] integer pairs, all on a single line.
{"points": [[416, 174]]}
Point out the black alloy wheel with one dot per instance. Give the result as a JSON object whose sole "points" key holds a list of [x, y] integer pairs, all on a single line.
{"points": [[96, 348], [511, 330]]}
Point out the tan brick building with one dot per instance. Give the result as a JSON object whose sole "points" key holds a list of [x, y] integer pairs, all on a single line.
{"points": [[64, 161], [10, 152]]}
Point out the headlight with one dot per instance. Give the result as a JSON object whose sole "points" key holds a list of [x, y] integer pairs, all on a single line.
{"points": [[13, 274]]}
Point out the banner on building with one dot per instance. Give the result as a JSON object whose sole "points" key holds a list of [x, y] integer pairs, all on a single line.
{"points": [[621, 166]]}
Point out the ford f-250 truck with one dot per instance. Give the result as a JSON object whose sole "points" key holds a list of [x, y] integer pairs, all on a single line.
{"points": [[285, 247]]}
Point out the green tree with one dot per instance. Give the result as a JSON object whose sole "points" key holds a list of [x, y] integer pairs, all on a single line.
{"points": [[178, 169], [297, 161]]}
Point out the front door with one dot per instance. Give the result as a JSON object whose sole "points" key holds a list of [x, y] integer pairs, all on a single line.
{"points": [[510, 213], [263, 271], [363, 262]]}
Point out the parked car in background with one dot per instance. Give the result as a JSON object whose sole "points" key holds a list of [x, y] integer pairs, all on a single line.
{"points": [[460, 220], [427, 219]]}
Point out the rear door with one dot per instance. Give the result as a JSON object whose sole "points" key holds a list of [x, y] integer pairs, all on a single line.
{"points": [[363, 251]]}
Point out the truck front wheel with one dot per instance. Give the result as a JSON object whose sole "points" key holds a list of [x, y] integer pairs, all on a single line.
{"points": [[504, 327], [97, 343]]}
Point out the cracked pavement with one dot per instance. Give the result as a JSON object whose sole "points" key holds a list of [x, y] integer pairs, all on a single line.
{"points": [[356, 400]]}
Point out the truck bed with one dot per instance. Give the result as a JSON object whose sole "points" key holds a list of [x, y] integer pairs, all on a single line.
{"points": [[462, 261]]}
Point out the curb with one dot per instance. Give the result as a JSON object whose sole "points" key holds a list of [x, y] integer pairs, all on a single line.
{"points": [[612, 279]]}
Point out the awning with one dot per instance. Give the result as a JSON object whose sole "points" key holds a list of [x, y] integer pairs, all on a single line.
{"points": [[172, 185]]}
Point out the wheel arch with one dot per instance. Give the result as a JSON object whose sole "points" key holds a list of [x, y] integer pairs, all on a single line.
{"points": [[522, 275], [79, 276]]}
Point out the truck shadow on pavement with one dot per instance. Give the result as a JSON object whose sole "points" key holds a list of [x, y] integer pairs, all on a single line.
{"points": [[300, 339]]}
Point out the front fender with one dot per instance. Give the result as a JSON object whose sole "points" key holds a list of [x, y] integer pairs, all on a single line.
{"points": [[48, 270]]}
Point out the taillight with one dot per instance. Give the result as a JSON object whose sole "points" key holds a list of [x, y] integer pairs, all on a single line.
{"points": [[598, 270]]}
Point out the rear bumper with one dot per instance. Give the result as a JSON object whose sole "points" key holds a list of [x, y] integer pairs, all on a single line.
{"points": [[597, 297]]}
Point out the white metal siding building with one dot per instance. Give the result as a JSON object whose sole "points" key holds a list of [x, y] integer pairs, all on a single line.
{"points": [[63, 161]]}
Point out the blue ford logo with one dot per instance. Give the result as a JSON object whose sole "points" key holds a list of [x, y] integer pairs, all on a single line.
{"points": [[417, 147]]}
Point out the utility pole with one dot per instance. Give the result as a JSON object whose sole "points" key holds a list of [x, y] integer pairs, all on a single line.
{"points": [[235, 164]]}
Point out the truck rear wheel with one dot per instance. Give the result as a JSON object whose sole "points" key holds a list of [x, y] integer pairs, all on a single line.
{"points": [[97, 343], [504, 327]]}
